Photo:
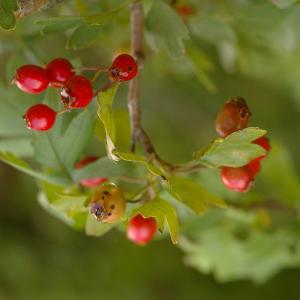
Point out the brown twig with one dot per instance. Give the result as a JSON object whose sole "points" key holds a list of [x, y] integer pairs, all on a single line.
{"points": [[137, 45]]}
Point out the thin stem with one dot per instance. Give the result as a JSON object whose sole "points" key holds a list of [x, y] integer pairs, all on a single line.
{"points": [[137, 45]]}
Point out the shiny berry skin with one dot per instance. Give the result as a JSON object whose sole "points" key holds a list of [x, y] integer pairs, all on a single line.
{"points": [[254, 166], [77, 93], [31, 79], [141, 230], [59, 72], [108, 203], [123, 68], [40, 117], [264, 143], [237, 179], [233, 116], [90, 182]]}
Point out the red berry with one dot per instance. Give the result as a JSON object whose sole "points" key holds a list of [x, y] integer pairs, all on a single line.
{"points": [[237, 179], [59, 71], [31, 79], [123, 68], [141, 230], [90, 182], [254, 166], [40, 117], [264, 143], [77, 93], [232, 117]]}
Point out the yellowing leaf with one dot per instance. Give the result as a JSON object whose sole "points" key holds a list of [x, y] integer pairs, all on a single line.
{"points": [[105, 100]]}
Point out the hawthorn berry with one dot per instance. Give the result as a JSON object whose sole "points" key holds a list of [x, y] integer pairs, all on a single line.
{"points": [[108, 203], [31, 79], [40, 117], [254, 165], [141, 230], [237, 179], [90, 182], [123, 68], [77, 93], [59, 71], [233, 116], [264, 143]]}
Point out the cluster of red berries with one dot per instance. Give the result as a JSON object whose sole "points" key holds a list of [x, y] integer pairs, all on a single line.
{"points": [[235, 116], [76, 90]]}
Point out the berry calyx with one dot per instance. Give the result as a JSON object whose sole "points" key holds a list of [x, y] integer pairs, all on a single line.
{"points": [[141, 230], [233, 116], [123, 68], [31, 79], [89, 182], [237, 179], [77, 93], [59, 71], [108, 203], [40, 117]]}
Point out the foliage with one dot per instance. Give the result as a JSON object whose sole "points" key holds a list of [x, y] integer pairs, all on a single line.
{"points": [[233, 237]]}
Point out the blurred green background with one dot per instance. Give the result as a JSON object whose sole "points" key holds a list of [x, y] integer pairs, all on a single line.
{"points": [[237, 48]]}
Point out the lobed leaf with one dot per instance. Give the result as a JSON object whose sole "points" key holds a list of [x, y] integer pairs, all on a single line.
{"points": [[21, 165], [167, 28], [236, 150]]}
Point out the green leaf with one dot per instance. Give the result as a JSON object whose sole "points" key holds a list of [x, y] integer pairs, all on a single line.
{"points": [[101, 18], [83, 36], [105, 100], [21, 165], [163, 212], [59, 24], [103, 167], [96, 228], [7, 19], [17, 146], [166, 28], [7, 16], [10, 5], [76, 137], [236, 150], [63, 204], [193, 195], [142, 160], [230, 249], [60, 150]]}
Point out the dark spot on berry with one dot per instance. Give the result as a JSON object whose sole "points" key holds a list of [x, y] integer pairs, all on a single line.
{"points": [[97, 209], [112, 206]]}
